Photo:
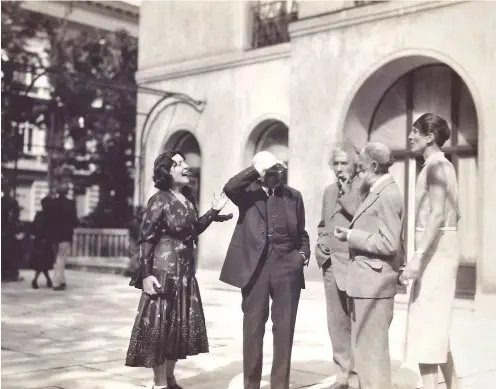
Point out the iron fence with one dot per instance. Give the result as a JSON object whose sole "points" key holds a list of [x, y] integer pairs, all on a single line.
{"points": [[100, 242]]}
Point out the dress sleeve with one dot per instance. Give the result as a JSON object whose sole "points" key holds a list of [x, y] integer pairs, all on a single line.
{"points": [[190, 230], [150, 229]]}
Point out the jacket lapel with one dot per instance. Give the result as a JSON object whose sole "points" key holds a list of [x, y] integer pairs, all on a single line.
{"points": [[291, 212], [364, 205], [371, 198], [260, 197]]}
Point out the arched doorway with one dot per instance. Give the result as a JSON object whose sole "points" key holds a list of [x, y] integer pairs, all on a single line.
{"points": [[186, 142], [431, 87], [270, 135]]}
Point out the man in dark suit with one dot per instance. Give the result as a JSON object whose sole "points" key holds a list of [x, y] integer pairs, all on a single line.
{"points": [[338, 207], [375, 241], [64, 218], [11, 253], [266, 256]]}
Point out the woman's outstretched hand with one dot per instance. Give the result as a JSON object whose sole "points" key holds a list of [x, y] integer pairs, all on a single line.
{"points": [[219, 202]]}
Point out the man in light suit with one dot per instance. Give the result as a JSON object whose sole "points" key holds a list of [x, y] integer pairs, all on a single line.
{"points": [[338, 207], [375, 241]]}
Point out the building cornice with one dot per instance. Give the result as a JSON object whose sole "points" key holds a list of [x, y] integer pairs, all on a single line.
{"points": [[213, 63], [364, 14], [106, 15], [127, 9]]}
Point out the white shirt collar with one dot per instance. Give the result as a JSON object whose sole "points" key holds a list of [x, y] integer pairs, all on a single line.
{"points": [[379, 180]]}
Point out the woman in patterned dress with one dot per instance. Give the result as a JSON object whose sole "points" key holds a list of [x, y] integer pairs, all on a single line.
{"points": [[170, 323], [435, 263]]}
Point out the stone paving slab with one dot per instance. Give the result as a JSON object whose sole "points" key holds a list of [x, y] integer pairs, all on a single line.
{"points": [[78, 339]]}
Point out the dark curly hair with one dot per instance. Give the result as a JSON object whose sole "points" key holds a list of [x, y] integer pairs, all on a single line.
{"points": [[162, 167], [429, 123]]}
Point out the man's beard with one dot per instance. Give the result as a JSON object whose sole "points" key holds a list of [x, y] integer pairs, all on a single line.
{"points": [[365, 189]]}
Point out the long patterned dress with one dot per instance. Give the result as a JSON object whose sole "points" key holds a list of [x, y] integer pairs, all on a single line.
{"points": [[171, 324]]}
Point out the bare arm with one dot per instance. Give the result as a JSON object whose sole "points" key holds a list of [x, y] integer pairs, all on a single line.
{"points": [[436, 190]]}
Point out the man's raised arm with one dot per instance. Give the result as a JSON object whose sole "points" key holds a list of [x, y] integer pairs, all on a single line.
{"points": [[236, 186]]}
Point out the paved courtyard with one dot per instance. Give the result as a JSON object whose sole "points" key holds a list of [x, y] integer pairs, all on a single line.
{"points": [[77, 339]]}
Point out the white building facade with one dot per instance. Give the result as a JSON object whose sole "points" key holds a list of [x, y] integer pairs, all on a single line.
{"points": [[362, 71]]}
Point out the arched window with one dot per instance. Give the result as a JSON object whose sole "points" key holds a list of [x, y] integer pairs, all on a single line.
{"points": [[438, 89]]}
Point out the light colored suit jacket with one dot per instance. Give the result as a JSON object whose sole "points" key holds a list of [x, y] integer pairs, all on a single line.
{"points": [[336, 212], [376, 243]]}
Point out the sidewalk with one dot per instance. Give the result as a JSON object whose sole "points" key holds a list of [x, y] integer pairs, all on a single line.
{"points": [[77, 339]]}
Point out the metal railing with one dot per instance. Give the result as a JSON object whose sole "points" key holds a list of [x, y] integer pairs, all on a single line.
{"points": [[270, 22], [100, 242]]}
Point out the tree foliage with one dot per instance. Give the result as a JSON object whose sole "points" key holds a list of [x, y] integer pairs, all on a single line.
{"points": [[92, 99]]}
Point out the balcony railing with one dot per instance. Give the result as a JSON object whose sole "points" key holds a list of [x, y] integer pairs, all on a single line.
{"points": [[270, 22]]}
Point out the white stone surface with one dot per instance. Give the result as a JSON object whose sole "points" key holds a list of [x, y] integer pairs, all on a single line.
{"points": [[78, 338]]}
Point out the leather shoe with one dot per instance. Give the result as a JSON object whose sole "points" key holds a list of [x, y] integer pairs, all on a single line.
{"points": [[339, 385]]}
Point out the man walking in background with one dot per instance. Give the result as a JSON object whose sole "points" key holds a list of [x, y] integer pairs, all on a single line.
{"points": [[64, 218]]}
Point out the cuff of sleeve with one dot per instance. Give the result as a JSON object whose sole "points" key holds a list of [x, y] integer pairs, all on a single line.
{"points": [[305, 258], [144, 271], [348, 234]]}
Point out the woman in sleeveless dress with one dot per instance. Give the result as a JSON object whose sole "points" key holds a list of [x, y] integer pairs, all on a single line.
{"points": [[170, 322], [435, 264]]}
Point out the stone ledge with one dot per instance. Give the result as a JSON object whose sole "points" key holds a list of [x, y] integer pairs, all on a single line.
{"points": [[212, 64], [359, 15], [114, 265]]}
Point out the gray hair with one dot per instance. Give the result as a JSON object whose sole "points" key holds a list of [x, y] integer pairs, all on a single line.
{"points": [[380, 154], [347, 147]]}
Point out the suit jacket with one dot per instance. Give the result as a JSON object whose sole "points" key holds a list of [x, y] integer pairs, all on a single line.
{"points": [[250, 234], [336, 214], [376, 243], [64, 217]]}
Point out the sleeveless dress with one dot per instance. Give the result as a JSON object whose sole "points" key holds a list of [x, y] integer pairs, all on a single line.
{"points": [[170, 325], [433, 293]]}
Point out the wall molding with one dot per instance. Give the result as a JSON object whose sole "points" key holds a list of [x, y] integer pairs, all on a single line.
{"points": [[360, 15], [213, 63]]}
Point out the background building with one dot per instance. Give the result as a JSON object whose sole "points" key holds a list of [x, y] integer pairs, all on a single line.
{"points": [[295, 77], [29, 172]]}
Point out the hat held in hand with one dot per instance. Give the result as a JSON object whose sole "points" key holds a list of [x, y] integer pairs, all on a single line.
{"points": [[264, 160]]}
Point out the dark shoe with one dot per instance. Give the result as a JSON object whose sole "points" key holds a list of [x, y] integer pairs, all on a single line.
{"points": [[63, 285], [34, 284], [339, 385], [172, 384], [60, 287], [49, 284]]}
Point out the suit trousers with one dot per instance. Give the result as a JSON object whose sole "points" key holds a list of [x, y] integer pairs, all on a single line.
{"points": [[278, 278], [338, 324], [370, 321], [63, 250]]}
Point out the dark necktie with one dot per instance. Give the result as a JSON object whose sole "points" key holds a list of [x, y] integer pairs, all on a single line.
{"points": [[270, 192]]}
